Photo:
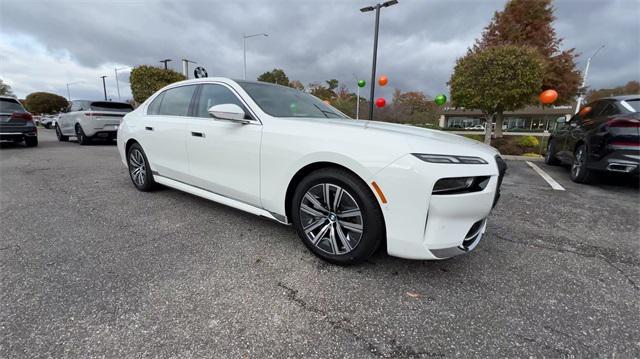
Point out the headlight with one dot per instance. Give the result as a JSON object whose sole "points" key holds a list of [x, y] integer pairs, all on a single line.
{"points": [[460, 185], [469, 160]]}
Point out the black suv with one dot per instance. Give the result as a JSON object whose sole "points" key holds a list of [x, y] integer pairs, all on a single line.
{"points": [[16, 124], [604, 136]]}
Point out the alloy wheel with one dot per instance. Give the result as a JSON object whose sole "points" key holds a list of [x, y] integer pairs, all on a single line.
{"points": [[137, 167], [58, 133], [578, 161], [331, 219]]}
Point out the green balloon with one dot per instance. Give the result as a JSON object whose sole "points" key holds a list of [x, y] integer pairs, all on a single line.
{"points": [[361, 83], [441, 100], [294, 107]]}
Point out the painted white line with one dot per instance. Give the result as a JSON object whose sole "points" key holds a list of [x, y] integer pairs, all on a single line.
{"points": [[555, 185]]}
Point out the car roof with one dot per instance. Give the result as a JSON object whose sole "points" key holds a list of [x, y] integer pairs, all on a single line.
{"points": [[621, 97], [123, 102], [9, 98]]}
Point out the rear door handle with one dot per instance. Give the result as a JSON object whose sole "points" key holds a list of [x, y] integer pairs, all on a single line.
{"points": [[148, 128], [197, 134]]}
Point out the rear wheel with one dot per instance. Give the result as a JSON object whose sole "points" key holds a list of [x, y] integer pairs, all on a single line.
{"points": [[61, 137], [550, 157], [31, 141], [337, 216], [579, 171], [82, 138], [139, 169]]}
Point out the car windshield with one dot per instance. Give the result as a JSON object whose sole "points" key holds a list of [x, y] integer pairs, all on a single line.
{"points": [[111, 106], [635, 104], [282, 101], [9, 106]]}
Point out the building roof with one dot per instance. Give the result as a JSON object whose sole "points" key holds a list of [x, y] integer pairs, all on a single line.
{"points": [[526, 111]]}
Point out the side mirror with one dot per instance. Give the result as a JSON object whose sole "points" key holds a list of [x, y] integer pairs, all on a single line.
{"points": [[228, 111]]}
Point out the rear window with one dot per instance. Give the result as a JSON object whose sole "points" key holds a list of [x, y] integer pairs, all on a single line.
{"points": [[8, 105], [111, 106], [635, 104]]}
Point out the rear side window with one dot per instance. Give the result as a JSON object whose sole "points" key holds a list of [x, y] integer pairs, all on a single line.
{"points": [[8, 105], [176, 101], [610, 110], [154, 107], [212, 95], [635, 104], [111, 106]]}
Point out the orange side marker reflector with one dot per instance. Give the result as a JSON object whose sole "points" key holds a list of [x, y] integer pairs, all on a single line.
{"points": [[379, 192]]}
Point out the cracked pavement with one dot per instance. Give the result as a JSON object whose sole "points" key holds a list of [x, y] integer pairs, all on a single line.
{"points": [[90, 267]]}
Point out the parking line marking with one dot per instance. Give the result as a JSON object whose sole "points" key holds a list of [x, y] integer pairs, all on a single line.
{"points": [[555, 185]]}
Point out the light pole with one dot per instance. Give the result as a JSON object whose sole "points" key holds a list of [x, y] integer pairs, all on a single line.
{"points": [[584, 79], [185, 67], [377, 8], [69, 92], [104, 86], [244, 50], [165, 62], [116, 69]]}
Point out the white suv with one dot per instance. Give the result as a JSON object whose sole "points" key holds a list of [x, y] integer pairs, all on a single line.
{"points": [[87, 120]]}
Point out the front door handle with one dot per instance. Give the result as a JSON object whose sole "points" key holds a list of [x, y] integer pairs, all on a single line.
{"points": [[148, 128], [197, 134]]}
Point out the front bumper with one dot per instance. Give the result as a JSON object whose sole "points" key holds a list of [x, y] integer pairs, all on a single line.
{"points": [[421, 225]]}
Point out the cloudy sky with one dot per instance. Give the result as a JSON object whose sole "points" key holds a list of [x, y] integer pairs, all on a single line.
{"points": [[46, 44]]}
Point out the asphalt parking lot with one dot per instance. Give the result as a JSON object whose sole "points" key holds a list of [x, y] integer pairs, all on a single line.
{"points": [[90, 267]]}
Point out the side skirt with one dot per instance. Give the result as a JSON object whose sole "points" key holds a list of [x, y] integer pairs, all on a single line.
{"points": [[196, 191]]}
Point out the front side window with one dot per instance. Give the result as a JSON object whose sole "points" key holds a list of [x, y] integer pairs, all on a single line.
{"points": [[176, 101], [211, 95], [281, 101], [154, 107]]}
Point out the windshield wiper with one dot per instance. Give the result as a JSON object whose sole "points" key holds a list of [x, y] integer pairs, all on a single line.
{"points": [[325, 112]]}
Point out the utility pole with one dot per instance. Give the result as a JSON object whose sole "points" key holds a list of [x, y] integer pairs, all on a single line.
{"points": [[583, 88], [116, 69], [104, 87], [377, 8], [69, 92], [244, 51], [185, 67], [165, 62]]}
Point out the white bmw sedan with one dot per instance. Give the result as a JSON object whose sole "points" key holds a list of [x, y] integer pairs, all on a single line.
{"points": [[346, 185]]}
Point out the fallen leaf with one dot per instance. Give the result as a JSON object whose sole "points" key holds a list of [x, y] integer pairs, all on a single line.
{"points": [[413, 294]]}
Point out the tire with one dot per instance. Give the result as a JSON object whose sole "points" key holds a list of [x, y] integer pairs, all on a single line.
{"points": [[82, 138], [349, 232], [550, 157], [579, 171], [139, 170], [47, 126], [31, 141], [61, 137]]}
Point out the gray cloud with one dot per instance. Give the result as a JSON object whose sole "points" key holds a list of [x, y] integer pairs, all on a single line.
{"points": [[311, 40]]}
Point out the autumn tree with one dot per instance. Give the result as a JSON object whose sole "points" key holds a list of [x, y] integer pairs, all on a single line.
{"points": [[497, 79], [5, 89], [321, 91], [275, 76], [45, 102], [631, 88], [529, 23], [296, 85]]}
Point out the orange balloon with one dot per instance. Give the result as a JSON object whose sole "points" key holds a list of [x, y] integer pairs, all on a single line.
{"points": [[584, 111], [383, 80], [548, 97], [327, 102]]}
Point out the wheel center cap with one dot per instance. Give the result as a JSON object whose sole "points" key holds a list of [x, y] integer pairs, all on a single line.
{"points": [[332, 217]]}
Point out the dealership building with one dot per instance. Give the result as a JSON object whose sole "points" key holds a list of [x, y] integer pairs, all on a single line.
{"points": [[527, 118]]}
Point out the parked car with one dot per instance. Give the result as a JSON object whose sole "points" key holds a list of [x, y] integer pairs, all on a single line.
{"points": [[603, 137], [49, 121], [346, 185], [476, 127], [88, 120], [16, 124]]}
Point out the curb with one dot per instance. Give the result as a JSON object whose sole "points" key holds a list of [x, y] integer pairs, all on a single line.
{"points": [[523, 158]]}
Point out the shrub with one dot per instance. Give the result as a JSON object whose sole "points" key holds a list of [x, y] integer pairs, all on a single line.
{"points": [[475, 137], [45, 102], [146, 80], [528, 141]]}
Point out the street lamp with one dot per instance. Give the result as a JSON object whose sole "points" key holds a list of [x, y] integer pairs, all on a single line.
{"points": [[377, 8], [69, 92], [116, 69], [584, 79], [165, 62], [244, 50], [104, 86]]}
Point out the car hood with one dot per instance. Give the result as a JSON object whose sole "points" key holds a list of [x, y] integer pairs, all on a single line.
{"points": [[420, 140]]}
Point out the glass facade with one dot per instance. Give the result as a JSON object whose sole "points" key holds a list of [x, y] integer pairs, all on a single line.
{"points": [[510, 123]]}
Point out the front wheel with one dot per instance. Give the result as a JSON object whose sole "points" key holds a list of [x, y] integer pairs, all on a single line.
{"points": [[139, 169], [579, 171], [550, 157], [337, 216]]}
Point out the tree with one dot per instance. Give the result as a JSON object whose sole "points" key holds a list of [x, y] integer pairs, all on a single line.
{"points": [[275, 76], [631, 88], [529, 23], [497, 79], [146, 80], [45, 102], [296, 85], [333, 84], [322, 92], [5, 89]]}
